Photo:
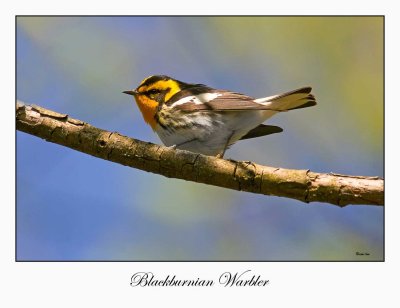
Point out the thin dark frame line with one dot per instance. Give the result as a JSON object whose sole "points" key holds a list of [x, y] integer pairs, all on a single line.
{"points": [[107, 261]]}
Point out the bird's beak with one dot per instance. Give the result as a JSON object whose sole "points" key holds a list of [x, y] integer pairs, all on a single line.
{"points": [[130, 92]]}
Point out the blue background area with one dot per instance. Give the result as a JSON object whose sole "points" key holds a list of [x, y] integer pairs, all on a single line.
{"points": [[71, 206]]}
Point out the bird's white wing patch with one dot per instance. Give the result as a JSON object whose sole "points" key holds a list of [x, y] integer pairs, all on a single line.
{"points": [[207, 97], [197, 99], [264, 100]]}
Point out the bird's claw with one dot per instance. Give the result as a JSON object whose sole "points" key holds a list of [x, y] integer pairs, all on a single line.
{"points": [[172, 147]]}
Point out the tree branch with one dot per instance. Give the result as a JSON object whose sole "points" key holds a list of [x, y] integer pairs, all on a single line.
{"points": [[302, 185]]}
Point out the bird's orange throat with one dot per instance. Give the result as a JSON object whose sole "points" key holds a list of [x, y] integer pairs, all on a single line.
{"points": [[148, 109]]}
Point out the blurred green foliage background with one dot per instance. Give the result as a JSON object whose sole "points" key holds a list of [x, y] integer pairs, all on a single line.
{"points": [[71, 206]]}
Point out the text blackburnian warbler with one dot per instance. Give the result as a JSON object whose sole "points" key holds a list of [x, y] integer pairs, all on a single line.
{"points": [[204, 120]]}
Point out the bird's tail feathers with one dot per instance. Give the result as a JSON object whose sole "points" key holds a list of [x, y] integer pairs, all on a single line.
{"points": [[300, 98]]}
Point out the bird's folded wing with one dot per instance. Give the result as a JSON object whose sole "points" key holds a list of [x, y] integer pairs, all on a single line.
{"points": [[231, 101]]}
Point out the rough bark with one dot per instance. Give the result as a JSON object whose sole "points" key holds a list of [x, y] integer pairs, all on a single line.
{"points": [[302, 185]]}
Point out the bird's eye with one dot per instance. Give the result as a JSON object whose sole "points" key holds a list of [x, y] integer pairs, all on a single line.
{"points": [[152, 91]]}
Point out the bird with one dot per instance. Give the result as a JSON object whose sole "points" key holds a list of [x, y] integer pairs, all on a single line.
{"points": [[206, 120]]}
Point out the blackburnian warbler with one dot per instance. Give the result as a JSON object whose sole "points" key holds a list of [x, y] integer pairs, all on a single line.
{"points": [[204, 120]]}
